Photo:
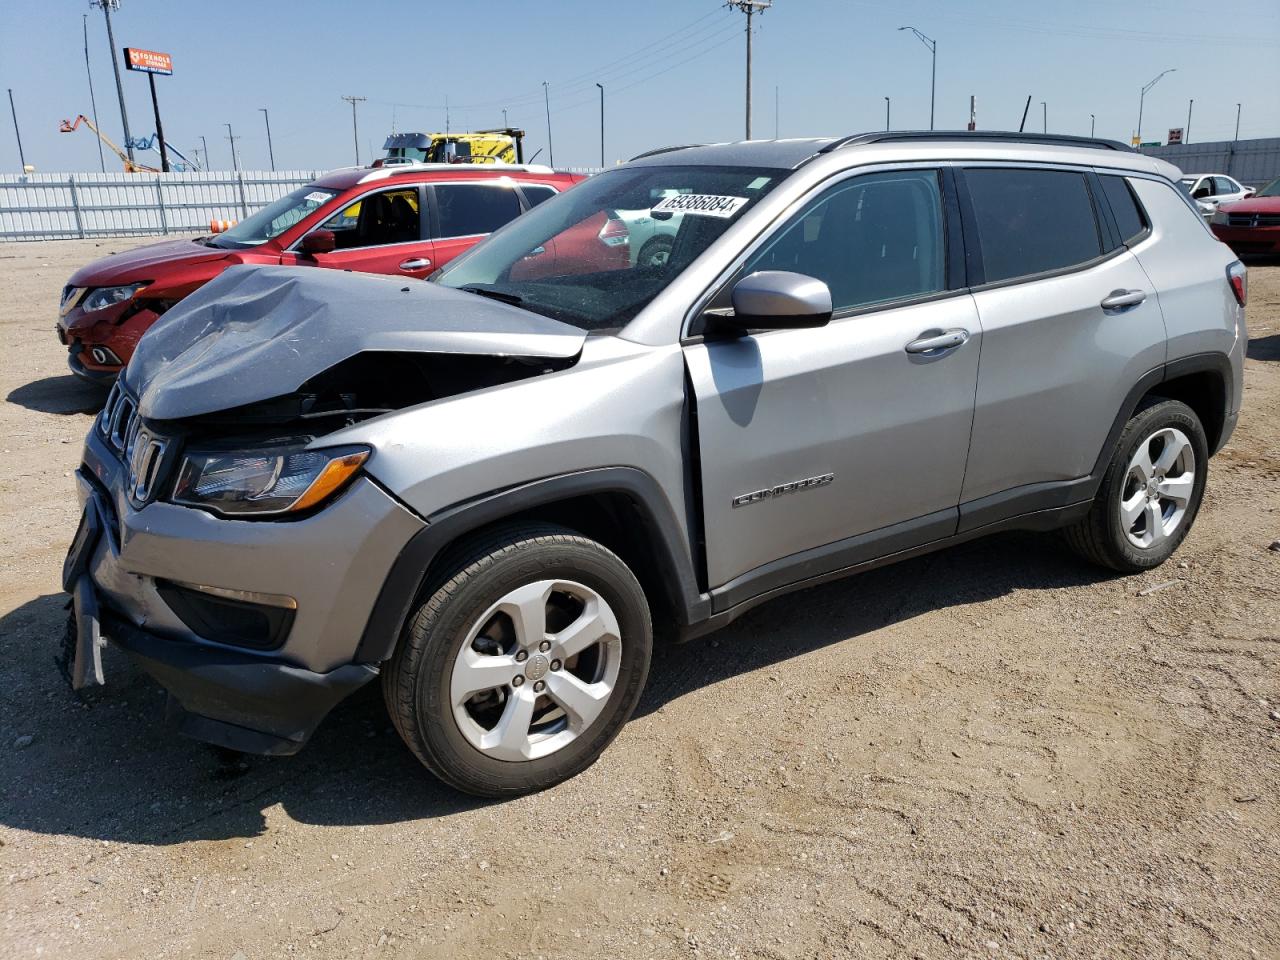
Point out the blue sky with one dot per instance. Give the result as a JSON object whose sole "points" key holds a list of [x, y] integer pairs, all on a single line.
{"points": [[672, 69]]}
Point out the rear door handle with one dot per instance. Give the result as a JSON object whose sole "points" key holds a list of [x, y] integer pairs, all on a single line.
{"points": [[1119, 299], [417, 263], [938, 342]]}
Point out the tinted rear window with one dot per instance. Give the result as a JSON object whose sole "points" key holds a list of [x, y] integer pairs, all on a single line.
{"points": [[1124, 207], [470, 208], [536, 193], [1032, 221]]}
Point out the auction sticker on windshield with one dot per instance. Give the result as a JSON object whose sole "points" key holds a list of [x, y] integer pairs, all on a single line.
{"points": [[701, 204]]}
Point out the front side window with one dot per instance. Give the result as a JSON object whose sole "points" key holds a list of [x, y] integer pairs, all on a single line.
{"points": [[1032, 221], [1124, 207], [377, 219], [274, 219], [577, 257], [468, 209], [873, 239]]}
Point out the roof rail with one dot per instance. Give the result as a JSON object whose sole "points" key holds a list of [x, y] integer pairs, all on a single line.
{"points": [[986, 136], [654, 153], [395, 169]]}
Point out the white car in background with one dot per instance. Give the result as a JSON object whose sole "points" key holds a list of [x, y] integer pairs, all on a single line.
{"points": [[1210, 189]]}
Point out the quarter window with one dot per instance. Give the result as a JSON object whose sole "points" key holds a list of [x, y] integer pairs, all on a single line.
{"points": [[536, 193], [1124, 208], [1032, 221], [467, 209], [873, 239]]}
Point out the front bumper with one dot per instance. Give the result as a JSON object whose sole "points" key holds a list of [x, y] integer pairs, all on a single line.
{"points": [[100, 376], [332, 563]]}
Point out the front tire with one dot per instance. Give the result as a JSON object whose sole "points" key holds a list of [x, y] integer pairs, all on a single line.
{"points": [[528, 656], [1150, 493]]}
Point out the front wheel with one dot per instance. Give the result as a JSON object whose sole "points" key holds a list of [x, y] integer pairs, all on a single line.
{"points": [[1150, 493], [524, 662]]}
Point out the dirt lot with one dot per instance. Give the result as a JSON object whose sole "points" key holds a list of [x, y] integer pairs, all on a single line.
{"points": [[994, 751]]}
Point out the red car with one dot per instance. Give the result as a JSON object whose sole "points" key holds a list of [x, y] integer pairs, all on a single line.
{"points": [[1252, 225], [404, 221]]}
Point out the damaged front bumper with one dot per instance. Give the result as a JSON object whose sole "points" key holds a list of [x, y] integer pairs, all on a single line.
{"points": [[121, 569]]}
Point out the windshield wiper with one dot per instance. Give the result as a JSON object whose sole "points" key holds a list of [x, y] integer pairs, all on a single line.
{"points": [[510, 298]]}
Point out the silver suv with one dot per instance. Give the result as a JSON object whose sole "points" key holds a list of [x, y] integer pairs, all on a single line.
{"points": [[493, 489]]}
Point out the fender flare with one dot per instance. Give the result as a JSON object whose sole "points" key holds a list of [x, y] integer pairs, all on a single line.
{"points": [[402, 585]]}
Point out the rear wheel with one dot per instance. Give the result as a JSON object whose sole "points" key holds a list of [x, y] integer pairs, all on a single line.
{"points": [[1150, 493], [655, 252], [523, 663]]}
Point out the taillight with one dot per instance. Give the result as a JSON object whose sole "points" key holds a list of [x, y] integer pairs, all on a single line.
{"points": [[1238, 277], [614, 233]]}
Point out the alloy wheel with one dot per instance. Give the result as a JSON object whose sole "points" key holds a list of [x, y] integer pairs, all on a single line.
{"points": [[1159, 483]]}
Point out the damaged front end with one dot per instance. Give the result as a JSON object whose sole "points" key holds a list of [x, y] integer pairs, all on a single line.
{"points": [[228, 547]]}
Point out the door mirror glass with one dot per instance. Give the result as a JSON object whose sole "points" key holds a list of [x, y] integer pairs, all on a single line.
{"points": [[779, 300], [318, 241]]}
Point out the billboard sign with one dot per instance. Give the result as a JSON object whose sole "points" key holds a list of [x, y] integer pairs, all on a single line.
{"points": [[148, 61], [1175, 135]]}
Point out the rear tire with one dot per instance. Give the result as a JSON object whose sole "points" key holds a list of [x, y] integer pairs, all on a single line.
{"points": [[1150, 493], [511, 615]]}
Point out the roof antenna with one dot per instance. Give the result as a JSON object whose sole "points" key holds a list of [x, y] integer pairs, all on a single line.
{"points": [[1024, 114]]}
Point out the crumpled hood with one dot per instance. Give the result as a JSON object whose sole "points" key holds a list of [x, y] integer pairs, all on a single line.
{"points": [[255, 333], [141, 263]]}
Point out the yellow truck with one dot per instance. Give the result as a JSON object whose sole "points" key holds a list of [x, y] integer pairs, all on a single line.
{"points": [[505, 145]]}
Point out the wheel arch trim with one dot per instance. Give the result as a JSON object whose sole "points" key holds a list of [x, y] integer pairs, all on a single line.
{"points": [[400, 589]]}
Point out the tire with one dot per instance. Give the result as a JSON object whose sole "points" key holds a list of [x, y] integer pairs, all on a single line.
{"points": [[1133, 542], [591, 590], [655, 252]]}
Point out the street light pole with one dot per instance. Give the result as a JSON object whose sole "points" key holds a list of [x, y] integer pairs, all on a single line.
{"points": [[933, 77], [93, 100], [22, 159], [551, 151], [886, 114], [601, 86], [205, 144], [1237, 136], [1093, 123], [1186, 133], [107, 6], [235, 159], [270, 150], [1142, 98], [1044, 109]]}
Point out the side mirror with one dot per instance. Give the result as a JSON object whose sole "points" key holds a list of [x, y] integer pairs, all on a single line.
{"points": [[318, 241], [779, 300]]}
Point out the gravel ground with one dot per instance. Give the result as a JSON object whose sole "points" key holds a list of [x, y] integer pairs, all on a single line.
{"points": [[995, 751]]}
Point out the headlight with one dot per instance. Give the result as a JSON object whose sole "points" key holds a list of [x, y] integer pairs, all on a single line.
{"points": [[1219, 216], [286, 479], [105, 297]]}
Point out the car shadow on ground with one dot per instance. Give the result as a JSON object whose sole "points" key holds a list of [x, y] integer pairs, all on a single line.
{"points": [[1264, 348], [66, 394], [105, 767]]}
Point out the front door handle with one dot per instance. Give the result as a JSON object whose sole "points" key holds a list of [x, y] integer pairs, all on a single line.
{"points": [[417, 263], [1119, 299], [935, 343]]}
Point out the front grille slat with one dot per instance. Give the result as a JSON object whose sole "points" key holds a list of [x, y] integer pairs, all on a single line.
{"points": [[1253, 219], [142, 453]]}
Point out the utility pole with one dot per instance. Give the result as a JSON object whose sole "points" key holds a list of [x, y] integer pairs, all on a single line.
{"points": [[1023, 125], [1237, 136], [22, 159], [749, 7], [207, 161], [107, 6], [235, 160], [601, 86], [933, 81], [551, 151], [1143, 97], [355, 128], [1044, 107], [886, 114], [93, 101], [270, 149]]}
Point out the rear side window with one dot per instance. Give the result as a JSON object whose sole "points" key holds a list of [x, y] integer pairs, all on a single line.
{"points": [[536, 193], [1124, 207], [467, 209], [1032, 221]]}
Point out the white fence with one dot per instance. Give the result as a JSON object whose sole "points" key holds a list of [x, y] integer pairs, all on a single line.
{"points": [[48, 206]]}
